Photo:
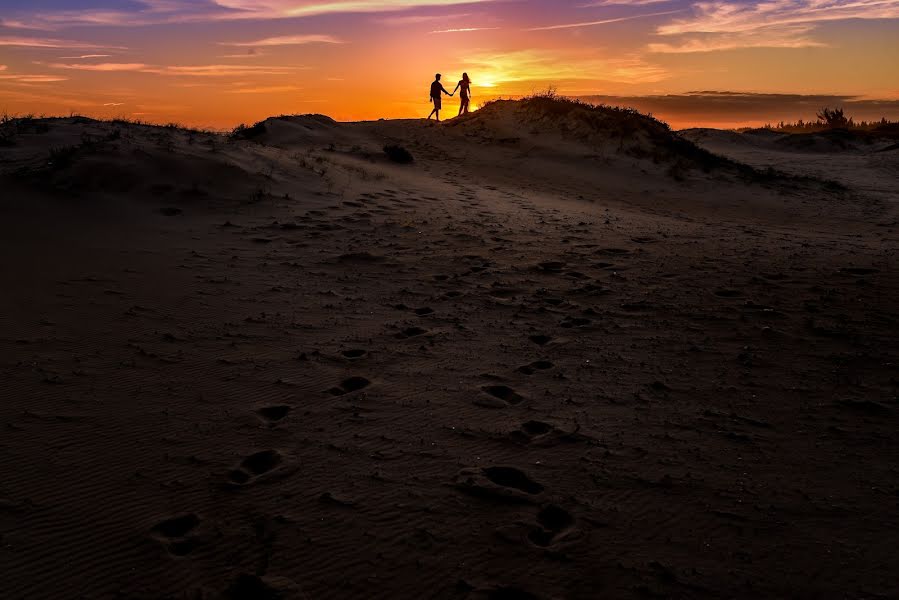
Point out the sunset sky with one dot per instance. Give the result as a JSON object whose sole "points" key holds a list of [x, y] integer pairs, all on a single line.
{"points": [[216, 63]]}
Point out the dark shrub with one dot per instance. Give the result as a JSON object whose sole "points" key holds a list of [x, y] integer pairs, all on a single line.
{"points": [[62, 157], [242, 132], [398, 154]]}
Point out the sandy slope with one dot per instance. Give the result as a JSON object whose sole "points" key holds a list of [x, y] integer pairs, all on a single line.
{"points": [[536, 363]]}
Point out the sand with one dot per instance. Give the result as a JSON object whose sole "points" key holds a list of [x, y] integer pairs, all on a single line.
{"points": [[539, 361]]}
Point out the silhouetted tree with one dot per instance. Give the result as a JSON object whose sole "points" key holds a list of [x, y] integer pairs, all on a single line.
{"points": [[833, 118]]}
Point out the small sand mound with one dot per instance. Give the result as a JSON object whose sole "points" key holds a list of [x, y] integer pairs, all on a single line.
{"points": [[288, 130], [622, 129]]}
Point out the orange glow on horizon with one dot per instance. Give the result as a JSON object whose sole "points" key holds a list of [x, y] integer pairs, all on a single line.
{"points": [[220, 63]]}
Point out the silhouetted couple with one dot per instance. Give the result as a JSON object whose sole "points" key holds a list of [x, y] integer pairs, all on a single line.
{"points": [[437, 88]]}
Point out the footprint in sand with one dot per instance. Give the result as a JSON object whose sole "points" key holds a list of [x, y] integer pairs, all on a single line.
{"points": [[572, 322], [540, 340], [350, 385], [411, 332], [273, 414], [540, 433], [354, 354], [256, 467], [178, 534], [499, 396], [534, 367], [554, 526], [499, 482], [614, 251], [551, 266], [728, 293], [576, 275], [536, 428]]}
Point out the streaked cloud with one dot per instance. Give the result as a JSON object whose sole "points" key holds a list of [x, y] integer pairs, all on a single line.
{"points": [[718, 16], [13, 24], [26, 78], [225, 70], [719, 25], [33, 42], [601, 3], [272, 89], [181, 70], [155, 12], [602, 21], [792, 36], [288, 40], [106, 67], [301, 8], [465, 30], [85, 56], [402, 20]]}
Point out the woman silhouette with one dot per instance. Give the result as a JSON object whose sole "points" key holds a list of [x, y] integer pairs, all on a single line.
{"points": [[465, 85]]}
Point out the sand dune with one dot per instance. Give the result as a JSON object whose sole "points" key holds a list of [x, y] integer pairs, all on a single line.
{"points": [[562, 354]]}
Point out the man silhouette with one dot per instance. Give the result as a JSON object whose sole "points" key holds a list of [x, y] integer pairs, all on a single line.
{"points": [[436, 98]]}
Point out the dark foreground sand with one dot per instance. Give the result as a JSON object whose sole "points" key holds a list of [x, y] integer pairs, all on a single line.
{"points": [[535, 363]]}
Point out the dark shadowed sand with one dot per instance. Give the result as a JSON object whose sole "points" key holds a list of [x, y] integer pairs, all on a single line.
{"points": [[552, 358]]}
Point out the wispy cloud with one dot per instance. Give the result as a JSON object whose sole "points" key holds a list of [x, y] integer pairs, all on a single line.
{"points": [[299, 8], [402, 20], [249, 53], [225, 70], [273, 89], [794, 36], [602, 21], [465, 29], [33, 42], [718, 16], [85, 56], [154, 12], [180, 70], [719, 25], [13, 24], [287, 40], [25, 78], [599, 3], [105, 67]]}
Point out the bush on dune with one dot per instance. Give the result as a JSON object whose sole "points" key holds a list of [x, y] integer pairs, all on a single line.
{"points": [[244, 132], [398, 154]]}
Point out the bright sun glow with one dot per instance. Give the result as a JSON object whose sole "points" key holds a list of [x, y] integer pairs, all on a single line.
{"points": [[230, 61]]}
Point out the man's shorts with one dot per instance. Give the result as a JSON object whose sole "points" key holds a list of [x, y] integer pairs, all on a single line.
{"points": [[438, 101]]}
